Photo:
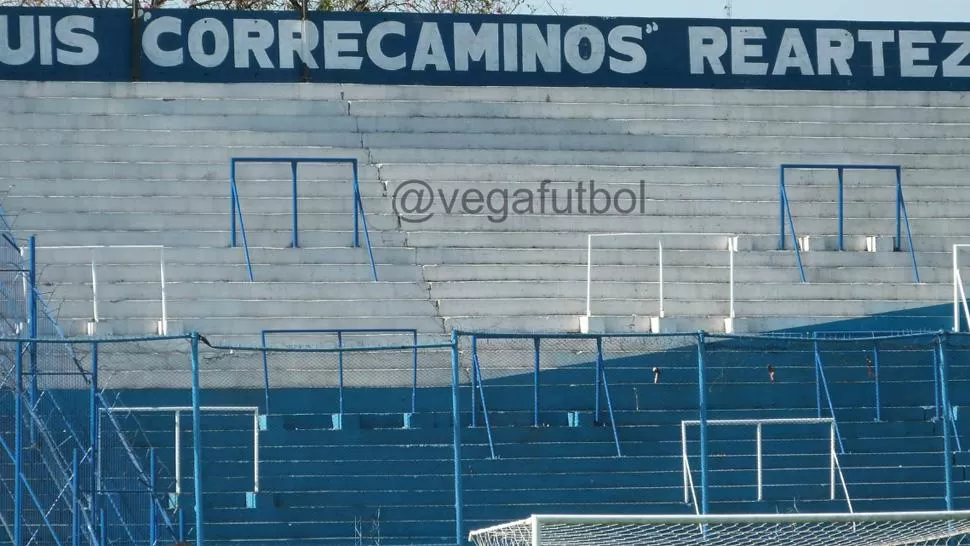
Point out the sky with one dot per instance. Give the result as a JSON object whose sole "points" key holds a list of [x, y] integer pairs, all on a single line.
{"points": [[861, 10]]}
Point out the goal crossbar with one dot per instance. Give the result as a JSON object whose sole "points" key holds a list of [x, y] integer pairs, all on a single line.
{"points": [[792, 529]]}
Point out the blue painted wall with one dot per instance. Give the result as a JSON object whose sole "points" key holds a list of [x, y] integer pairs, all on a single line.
{"points": [[221, 46]]}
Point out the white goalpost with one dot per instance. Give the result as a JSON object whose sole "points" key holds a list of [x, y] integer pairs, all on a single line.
{"points": [[837, 529]]}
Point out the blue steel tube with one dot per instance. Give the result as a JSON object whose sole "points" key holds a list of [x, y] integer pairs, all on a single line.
{"points": [[340, 377], [947, 418], [18, 442], [841, 208], [232, 203], [296, 238], [152, 535], [596, 380], [197, 441], [95, 415], [899, 205], [781, 204], [262, 336], [75, 507], [474, 374], [414, 372], [875, 373], [103, 518], [936, 383], [456, 439], [535, 382], [32, 327], [357, 212], [818, 380], [702, 410]]}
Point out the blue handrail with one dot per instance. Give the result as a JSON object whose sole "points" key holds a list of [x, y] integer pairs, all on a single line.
{"points": [[477, 380], [786, 213], [340, 350], [358, 205], [606, 390], [902, 218]]}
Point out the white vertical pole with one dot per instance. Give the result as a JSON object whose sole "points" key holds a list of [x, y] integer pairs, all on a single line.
{"points": [[832, 461], [589, 269], [683, 456], [956, 293], [178, 454], [256, 451], [660, 257], [536, 539], [731, 248], [758, 454], [94, 287], [164, 326]]}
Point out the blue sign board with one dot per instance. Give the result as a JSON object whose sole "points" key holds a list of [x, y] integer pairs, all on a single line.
{"points": [[476, 50]]}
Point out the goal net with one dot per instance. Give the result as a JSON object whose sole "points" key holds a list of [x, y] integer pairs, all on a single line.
{"points": [[882, 529]]}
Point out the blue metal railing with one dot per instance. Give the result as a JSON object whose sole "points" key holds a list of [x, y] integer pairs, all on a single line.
{"points": [[294, 162], [340, 332], [477, 388], [823, 385], [902, 218]]}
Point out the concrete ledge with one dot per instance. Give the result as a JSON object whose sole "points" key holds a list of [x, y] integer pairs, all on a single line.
{"points": [[101, 328], [604, 324], [345, 421], [666, 325], [259, 500], [810, 243], [419, 420], [579, 419]]}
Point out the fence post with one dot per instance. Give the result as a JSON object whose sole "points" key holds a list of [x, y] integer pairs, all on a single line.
{"points": [[152, 538], [197, 440], [702, 410], [875, 373], [32, 327], [357, 211], [18, 448], [899, 205], [456, 438], [414, 372], [232, 202], [535, 381], [94, 425], [936, 383], [75, 517], [781, 203], [597, 379], [818, 379], [841, 205], [262, 336], [474, 379], [947, 452], [340, 376]]}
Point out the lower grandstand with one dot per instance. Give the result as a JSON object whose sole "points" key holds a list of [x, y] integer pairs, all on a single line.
{"points": [[416, 315]]}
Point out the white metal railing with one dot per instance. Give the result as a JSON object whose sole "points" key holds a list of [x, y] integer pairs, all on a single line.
{"points": [[959, 292], [95, 250], [732, 247], [177, 411], [835, 468]]}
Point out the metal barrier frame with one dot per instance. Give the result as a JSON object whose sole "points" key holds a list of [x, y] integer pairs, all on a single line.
{"points": [[294, 162], [340, 357], [785, 208]]}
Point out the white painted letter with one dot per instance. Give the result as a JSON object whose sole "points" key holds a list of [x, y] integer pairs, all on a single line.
{"points": [[835, 47], [220, 37], [878, 39], [625, 40], [742, 50], [792, 53], [470, 45], [334, 45], [953, 66], [85, 44], [597, 48], [537, 49], [298, 38], [430, 49], [375, 48], [909, 54], [707, 44], [252, 35], [153, 50], [510, 47], [24, 53]]}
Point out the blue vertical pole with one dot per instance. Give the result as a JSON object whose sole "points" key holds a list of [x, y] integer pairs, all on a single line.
{"points": [[936, 384], [782, 196], [75, 507], [702, 411], [340, 376], [947, 451], [93, 431], [152, 534], [535, 382], [197, 441], [18, 449], [456, 438], [818, 372], [262, 336], [841, 209], [474, 374], [232, 203], [32, 327], [596, 380], [181, 525], [875, 373], [357, 211], [103, 519], [296, 239], [899, 205], [414, 371]]}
